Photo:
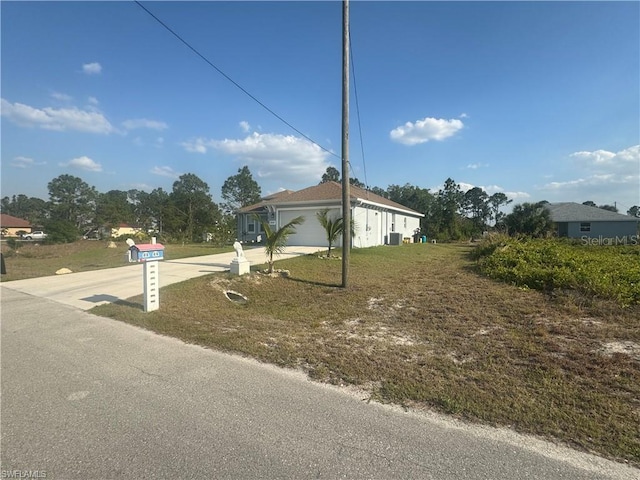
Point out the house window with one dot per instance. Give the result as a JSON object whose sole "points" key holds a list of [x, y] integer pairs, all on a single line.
{"points": [[585, 227], [251, 227], [405, 222]]}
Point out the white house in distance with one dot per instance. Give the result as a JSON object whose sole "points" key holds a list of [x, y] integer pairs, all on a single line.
{"points": [[574, 220], [378, 220]]}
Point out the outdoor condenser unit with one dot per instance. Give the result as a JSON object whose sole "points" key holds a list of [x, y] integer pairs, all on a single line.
{"points": [[395, 238]]}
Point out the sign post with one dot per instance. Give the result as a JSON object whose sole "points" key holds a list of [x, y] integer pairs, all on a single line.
{"points": [[149, 255]]}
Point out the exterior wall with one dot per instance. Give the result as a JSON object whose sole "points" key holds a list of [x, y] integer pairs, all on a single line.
{"points": [[600, 229], [116, 232], [368, 227], [372, 225], [248, 228], [13, 231]]}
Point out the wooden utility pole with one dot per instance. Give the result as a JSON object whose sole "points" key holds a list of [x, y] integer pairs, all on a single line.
{"points": [[346, 196]]}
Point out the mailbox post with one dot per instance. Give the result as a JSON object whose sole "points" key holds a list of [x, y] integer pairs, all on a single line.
{"points": [[149, 254]]}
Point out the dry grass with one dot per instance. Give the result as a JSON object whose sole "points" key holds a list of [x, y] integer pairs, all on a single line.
{"points": [[419, 327]]}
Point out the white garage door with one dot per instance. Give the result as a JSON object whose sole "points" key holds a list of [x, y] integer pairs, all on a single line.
{"points": [[310, 233]]}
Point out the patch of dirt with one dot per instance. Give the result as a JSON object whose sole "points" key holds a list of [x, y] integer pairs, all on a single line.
{"points": [[626, 348]]}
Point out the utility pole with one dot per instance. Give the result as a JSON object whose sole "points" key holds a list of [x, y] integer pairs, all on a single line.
{"points": [[346, 196]]}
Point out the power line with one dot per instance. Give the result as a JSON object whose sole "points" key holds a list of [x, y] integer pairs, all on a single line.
{"points": [[355, 91], [236, 84]]}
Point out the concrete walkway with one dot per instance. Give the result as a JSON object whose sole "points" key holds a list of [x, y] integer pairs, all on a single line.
{"points": [[85, 290]]}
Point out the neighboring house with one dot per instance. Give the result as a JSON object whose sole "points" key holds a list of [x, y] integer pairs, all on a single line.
{"points": [[575, 220], [124, 229], [10, 225], [377, 220]]}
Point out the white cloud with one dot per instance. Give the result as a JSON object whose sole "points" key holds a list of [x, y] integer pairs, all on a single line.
{"points": [[58, 119], [25, 162], [605, 177], [475, 166], [83, 163], [93, 101], [283, 157], [245, 126], [62, 97], [425, 130], [144, 123], [165, 172], [197, 145], [92, 68], [464, 115]]}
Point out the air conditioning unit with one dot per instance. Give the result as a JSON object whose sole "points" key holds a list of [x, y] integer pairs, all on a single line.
{"points": [[395, 238]]}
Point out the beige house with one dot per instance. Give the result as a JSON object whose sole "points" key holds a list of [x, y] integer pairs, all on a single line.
{"points": [[124, 229], [10, 225]]}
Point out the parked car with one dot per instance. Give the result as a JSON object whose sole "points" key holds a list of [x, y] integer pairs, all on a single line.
{"points": [[37, 235]]}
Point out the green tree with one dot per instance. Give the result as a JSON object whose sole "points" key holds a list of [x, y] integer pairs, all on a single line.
{"points": [[356, 183], [531, 219], [634, 211], [447, 210], [331, 175], [190, 210], [33, 209], [276, 240], [589, 203], [379, 191], [476, 203], [240, 190], [415, 198], [61, 231], [73, 200], [496, 201], [113, 208], [611, 208]]}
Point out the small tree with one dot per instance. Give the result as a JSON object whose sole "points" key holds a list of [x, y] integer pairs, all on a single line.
{"points": [[276, 240], [333, 227], [531, 219]]}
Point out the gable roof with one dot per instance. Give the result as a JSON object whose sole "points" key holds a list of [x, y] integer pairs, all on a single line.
{"points": [[576, 212], [328, 192], [9, 221]]}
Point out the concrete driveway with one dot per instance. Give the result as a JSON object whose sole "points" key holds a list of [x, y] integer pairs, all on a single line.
{"points": [[85, 290], [86, 397]]}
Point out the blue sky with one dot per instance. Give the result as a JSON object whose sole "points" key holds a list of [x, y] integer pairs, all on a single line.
{"points": [[539, 100]]}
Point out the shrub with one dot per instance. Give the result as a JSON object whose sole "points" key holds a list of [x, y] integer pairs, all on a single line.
{"points": [[604, 271]]}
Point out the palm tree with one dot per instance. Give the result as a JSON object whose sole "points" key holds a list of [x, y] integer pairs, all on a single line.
{"points": [[332, 227], [276, 240]]}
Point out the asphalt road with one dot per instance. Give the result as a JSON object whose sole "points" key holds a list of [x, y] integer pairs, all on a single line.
{"points": [[85, 397]]}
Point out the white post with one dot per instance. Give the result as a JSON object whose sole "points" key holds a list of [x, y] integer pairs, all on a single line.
{"points": [[151, 279]]}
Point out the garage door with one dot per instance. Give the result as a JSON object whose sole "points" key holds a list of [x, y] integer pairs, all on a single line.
{"points": [[310, 233]]}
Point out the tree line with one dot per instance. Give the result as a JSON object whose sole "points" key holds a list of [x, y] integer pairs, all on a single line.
{"points": [[188, 213]]}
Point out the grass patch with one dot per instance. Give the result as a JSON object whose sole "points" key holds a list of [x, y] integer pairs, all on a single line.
{"points": [[32, 260], [419, 327]]}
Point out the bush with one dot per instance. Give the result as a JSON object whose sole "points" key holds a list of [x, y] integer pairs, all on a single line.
{"points": [[605, 271], [61, 231]]}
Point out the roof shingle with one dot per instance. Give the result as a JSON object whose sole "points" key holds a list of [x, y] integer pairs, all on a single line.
{"points": [[325, 192]]}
